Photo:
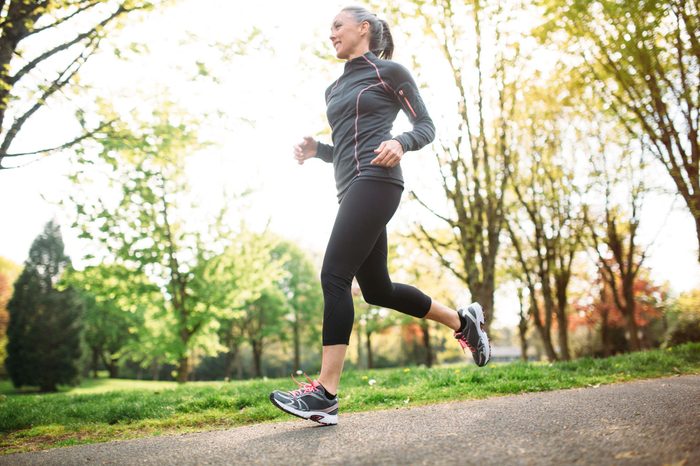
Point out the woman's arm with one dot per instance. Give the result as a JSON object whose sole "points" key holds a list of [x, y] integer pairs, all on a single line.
{"points": [[409, 98], [309, 148], [324, 152]]}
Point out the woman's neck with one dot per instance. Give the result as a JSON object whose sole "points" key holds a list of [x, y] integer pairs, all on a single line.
{"points": [[358, 53]]}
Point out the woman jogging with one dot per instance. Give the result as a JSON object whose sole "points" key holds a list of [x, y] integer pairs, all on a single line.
{"points": [[361, 107]]}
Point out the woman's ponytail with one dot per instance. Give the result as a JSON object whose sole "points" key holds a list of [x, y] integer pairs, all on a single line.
{"points": [[387, 42]]}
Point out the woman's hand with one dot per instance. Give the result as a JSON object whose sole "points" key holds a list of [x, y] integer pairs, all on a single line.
{"points": [[389, 154], [306, 149]]}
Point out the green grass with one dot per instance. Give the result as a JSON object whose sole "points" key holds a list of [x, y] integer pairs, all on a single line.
{"points": [[108, 409]]}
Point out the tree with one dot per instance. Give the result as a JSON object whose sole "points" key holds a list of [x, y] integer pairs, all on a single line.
{"points": [[264, 317], [78, 27], [603, 312], [546, 219], [44, 330], [115, 302], [302, 291], [288, 295], [139, 223], [238, 290], [473, 152], [369, 320], [523, 318], [409, 263], [614, 228], [641, 57]]}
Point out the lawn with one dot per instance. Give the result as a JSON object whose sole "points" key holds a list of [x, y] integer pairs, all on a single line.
{"points": [[109, 409]]}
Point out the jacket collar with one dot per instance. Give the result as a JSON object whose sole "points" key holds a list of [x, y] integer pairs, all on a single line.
{"points": [[360, 61]]}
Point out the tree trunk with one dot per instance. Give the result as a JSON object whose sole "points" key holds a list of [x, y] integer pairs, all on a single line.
{"points": [[230, 360], [562, 321], [256, 345], [546, 336], [113, 368], [111, 365], [95, 361], [522, 327], [484, 296], [562, 333], [239, 367], [155, 370], [631, 324], [297, 343], [360, 356], [425, 326], [523, 340], [696, 215], [368, 341], [178, 289], [183, 369], [605, 331], [543, 330]]}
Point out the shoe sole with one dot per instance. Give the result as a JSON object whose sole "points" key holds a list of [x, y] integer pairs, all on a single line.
{"points": [[316, 416], [476, 307]]}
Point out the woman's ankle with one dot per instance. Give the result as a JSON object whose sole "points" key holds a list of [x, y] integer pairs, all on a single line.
{"points": [[442, 314], [330, 388]]}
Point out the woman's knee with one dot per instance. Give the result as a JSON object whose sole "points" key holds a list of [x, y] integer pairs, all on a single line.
{"points": [[334, 281], [378, 296]]}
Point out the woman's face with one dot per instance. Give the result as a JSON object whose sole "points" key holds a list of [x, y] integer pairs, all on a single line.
{"points": [[348, 36]]}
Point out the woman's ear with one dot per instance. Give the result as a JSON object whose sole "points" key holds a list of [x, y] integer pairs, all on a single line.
{"points": [[364, 28]]}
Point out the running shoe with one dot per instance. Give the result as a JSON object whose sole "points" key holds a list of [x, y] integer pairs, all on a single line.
{"points": [[309, 401], [472, 334]]}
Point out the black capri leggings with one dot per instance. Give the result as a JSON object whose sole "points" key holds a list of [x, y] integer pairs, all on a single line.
{"points": [[358, 248]]}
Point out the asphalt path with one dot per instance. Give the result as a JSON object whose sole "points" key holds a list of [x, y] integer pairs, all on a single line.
{"points": [[655, 422]]}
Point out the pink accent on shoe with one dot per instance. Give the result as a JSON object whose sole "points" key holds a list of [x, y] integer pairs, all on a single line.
{"points": [[463, 342], [305, 387]]}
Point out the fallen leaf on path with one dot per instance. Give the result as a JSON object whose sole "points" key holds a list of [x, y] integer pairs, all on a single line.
{"points": [[626, 454], [682, 462]]}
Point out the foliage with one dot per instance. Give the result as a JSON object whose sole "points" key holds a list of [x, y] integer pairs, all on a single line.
{"points": [[422, 339], [479, 48], [641, 58], [205, 274], [139, 221], [264, 317], [78, 30], [116, 302], [237, 289], [545, 221], [44, 331], [603, 314], [618, 182], [9, 271], [213, 281], [301, 289], [684, 319]]}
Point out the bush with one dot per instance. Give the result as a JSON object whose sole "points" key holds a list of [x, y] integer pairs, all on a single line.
{"points": [[685, 328], [684, 320]]}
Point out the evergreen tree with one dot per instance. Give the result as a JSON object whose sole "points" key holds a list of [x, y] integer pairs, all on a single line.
{"points": [[44, 330]]}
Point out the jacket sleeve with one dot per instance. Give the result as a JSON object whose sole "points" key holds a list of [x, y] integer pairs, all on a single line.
{"points": [[324, 152], [406, 92]]}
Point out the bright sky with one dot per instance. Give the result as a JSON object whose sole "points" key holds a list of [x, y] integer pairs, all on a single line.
{"points": [[267, 102]]}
